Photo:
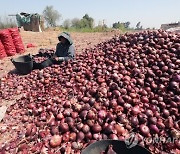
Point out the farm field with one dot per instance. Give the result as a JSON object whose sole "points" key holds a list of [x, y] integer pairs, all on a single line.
{"points": [[120, 87]]}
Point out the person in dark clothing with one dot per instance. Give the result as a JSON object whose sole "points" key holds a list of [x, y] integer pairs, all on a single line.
{"points": [[65, 49]]}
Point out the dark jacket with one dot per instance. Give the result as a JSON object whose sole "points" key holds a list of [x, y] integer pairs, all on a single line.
{"points": [[65, 51]]}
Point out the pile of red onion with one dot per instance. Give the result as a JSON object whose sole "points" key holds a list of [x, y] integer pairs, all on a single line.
{"points": [[130, 83], [39, 59]]}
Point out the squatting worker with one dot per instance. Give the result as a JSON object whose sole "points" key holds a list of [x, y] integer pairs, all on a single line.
{"points": [[65, 49]]}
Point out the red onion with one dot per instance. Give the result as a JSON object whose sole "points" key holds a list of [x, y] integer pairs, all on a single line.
{"points": [[63, 127], [176, 77], [74, 114], [120, 101], [80, 136], [144, 130], [110, 117], [122, 118], [91, 115], [144, 99], [160, 125], [88, 135], [154, 128], [97, 136], [91, 101], [65, 137], [109, 129], [55, 141], [113, 137], [166, 113], [120, 129], [67, 112], [54, 130], [96, 128], [72, 136], [116, 93], [83, 114], [79, 125], [76, 145], [102, 114], [85, 128], [90, 122], [134, 121], [113, 103], [149, 113], [152, 120], [135, 110]]}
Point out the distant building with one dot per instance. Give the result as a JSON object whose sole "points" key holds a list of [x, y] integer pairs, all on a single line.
{"points": [[171, 25]]}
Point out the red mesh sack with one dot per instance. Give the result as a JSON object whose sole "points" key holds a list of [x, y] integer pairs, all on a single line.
{"points": [[2, 51], [7, 41], [17, 40]]}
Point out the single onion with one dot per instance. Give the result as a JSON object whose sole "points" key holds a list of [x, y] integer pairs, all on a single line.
{"points": [[91, 115], [80, 136], [134, 121], [144, 130], [63, 127], [154, 128], [55, 141], [120, 129], [85, 128], [109, 129], [72, 136], [135, 110], [102, 114], [113, 137], [96, 128]]}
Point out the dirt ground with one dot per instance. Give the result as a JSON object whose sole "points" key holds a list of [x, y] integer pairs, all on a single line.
{"points": [[48, 39]]}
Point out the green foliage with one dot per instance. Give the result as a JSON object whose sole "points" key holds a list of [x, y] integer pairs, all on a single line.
{"points": [[86, 22], [83, 30], [7, 22], [123, 26], [115, 25], [51, 16]]}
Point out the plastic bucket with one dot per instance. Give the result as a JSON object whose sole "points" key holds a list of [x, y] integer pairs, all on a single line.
{"points": [[118, 146], [24, 64]]}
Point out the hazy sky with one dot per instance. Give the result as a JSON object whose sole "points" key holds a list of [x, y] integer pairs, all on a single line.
{"points": [[151, 13]]}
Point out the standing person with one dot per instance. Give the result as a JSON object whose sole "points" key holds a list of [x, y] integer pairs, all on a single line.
{"points": [[65, 49]]}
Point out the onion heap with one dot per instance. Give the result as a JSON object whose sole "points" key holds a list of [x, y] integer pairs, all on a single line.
{"points": [[130, 83], [39, 59]]}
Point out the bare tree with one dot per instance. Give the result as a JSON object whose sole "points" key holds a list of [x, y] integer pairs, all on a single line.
{"points": [[67, 23], [7, 22], [138, 26], [51, 16], [75, 23]]}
